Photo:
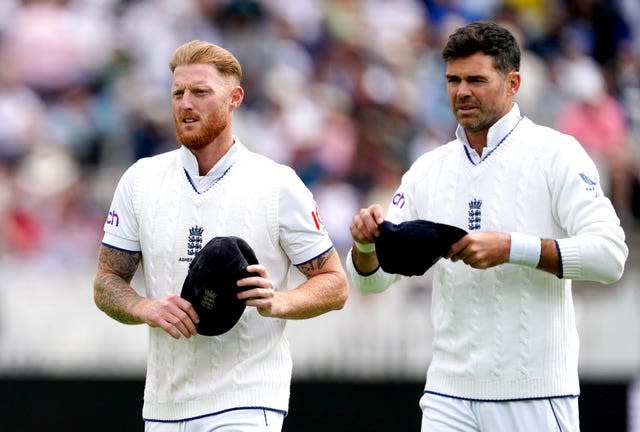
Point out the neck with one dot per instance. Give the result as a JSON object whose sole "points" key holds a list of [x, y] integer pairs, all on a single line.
{"points": [[477, 140], [209, 155]]}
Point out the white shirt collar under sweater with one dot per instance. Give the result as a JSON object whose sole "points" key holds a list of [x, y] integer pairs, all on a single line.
{"points": [[203, 183], [496, 135]]}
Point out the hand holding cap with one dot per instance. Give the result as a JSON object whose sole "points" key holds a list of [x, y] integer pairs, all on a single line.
{"points": [[210, 285], [412, 247]]}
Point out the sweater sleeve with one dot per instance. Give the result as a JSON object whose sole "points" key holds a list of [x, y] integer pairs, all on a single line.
{"points": [[375, 282], [595, 248], [121, 227], [400, 208]]}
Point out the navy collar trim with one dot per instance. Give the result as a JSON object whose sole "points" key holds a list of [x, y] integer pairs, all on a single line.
{"points": [[466, 150], [193, 186]]}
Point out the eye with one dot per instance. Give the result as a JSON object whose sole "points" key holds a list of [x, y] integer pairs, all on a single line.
{"points": [[200, 92], [478, 79]]}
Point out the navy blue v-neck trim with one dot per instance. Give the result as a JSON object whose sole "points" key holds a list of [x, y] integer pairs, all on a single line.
{"points": [[193, 186], [466, 150]]}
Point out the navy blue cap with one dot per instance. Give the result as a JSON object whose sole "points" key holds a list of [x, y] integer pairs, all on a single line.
{"points": [[210, 285], [412, 247]]}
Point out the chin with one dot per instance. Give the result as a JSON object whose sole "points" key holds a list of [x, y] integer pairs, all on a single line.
{"points": [[192, 142]]}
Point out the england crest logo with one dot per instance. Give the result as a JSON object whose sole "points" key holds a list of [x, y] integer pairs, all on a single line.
{"points": [[475, 214]]}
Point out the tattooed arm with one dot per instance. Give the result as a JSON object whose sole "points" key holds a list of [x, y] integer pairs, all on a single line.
{"points": [[114, 295], [324, 290]]}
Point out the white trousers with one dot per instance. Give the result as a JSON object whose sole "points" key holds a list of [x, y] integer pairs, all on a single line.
{"points": [[238, 420], [447, 414]]}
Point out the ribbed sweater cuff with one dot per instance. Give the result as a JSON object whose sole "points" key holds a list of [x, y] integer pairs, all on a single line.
{"points": [[570, 258]]}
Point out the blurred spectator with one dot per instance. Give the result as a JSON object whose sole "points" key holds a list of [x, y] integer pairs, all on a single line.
{"points": [[598, 122], [602, 26], [348, 92], [53, 47], [22, 112], [535, 96]]}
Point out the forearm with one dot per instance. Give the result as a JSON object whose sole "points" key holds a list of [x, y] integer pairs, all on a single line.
{"points": [[117, 298], [549, 257], [112, 290], [318, 295], [324, 290], [598, 258], [364, 262], [532, 251]]}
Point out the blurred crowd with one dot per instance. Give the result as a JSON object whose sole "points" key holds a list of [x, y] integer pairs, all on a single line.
{"points": [[347, 92]]}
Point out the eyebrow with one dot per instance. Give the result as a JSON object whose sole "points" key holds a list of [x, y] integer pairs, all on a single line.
{"points": [[468, 77]]}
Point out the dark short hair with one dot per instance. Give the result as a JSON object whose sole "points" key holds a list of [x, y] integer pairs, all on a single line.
{"points": [[486, 37]]}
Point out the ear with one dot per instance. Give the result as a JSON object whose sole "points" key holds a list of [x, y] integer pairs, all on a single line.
{"points": [[513, 82], [237, 95]]}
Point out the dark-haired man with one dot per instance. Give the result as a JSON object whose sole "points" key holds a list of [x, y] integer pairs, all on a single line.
{"points": [[505, 348]]}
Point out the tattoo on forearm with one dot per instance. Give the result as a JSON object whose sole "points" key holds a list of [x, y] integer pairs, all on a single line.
{"points": [[310, 267], [113, 292]]}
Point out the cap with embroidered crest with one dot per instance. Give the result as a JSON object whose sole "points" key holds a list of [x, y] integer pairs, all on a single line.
{"points": [[210, 285]]}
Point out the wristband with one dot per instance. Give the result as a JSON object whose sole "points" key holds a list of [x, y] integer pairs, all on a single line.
{"points": [[525, 250], [365, 247]]}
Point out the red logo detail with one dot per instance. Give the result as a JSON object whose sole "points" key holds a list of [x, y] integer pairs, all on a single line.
{"points": [[316, 219]]}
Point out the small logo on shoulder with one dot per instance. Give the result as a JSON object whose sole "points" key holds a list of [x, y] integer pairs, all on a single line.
{"points": [[592, 185], [587, 180]]}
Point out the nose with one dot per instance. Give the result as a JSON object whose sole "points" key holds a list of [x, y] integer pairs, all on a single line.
{"points": [[463, 89], [186, 100]]}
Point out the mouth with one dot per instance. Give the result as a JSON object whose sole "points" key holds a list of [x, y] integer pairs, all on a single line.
{"points": [[466, 109], [188, 124]]}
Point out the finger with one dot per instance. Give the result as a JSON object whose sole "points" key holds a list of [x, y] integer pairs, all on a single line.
{"points": [[186, 330], [264, 304], [256, 293], [189, 325], [254, 281], [186, 307], [358, 233], [377, 213], [364, 226], [170, 329], [369, 220], [181, 321], [258, 268], [452, 254], [263, 301], [462, 255], [457, 248], [193, 317], [253, 294]]}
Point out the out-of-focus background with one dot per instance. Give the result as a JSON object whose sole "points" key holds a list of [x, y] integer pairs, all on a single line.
{"points": [[347, 92]]}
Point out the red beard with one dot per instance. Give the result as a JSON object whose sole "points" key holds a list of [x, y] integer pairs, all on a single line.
{"points": [[205, 132]]}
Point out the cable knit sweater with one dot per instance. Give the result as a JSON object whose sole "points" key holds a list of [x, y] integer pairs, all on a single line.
{"points": [[509, 332], [249, 366]]}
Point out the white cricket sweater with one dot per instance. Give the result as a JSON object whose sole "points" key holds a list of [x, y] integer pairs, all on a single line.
{"points": [[509, 332], [249, 366]]}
